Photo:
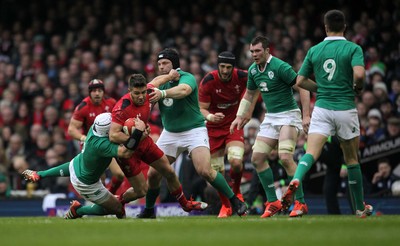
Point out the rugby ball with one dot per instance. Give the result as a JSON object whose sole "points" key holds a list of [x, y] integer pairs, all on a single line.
{"points": [[129, 126]]}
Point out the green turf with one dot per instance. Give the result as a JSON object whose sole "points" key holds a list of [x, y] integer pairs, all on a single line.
{"points": [[202, 230]]}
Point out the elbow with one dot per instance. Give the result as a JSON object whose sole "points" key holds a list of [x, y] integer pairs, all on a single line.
{"points": [[113, 137]]}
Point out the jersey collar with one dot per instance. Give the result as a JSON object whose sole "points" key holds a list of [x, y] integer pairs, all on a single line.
{"points": [[266, 64], [335, 38]]}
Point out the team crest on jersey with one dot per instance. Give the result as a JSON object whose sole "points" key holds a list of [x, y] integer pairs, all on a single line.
{"points": [[168, 102], [271, 75], [253, 71]]}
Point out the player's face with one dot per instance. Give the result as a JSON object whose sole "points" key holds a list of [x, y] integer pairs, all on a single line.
{"points": [[138, 95], [164, 66], [259, 54], [225, 71], [96, 95]]}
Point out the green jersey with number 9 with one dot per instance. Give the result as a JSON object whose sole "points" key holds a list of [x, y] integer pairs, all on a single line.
{"points": [[332, 63]]}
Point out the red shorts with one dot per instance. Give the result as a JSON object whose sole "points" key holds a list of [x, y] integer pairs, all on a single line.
{"points": [[220, 138], [147, 152]]}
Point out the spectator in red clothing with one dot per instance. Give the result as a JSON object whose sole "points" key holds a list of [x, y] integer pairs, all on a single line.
{"points": [[39, 105]]}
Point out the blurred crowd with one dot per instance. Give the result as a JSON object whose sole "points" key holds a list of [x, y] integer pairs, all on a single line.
{"points": [[50, 50]]}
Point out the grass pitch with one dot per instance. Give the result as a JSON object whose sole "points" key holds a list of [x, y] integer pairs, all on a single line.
{"points": [[202, 230]]}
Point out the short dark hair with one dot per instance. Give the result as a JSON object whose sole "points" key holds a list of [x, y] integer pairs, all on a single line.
{"points": [[260, 39], [137, 80], [335, 20]]}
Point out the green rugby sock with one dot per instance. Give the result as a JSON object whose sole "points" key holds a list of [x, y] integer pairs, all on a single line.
{"points": [[220, 184], [91, 210], [304, 165], [58, 171], [267, 180], [356, 185]]}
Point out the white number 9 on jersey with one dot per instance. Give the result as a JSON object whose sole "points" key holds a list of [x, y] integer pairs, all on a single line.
{"points": [[330, 67]]}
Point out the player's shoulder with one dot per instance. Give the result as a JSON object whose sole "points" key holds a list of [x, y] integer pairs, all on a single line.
{"points": [[110, 100], [209, 77], [185, 75], [240, 73], [252, 69], [83, 104], [123, 102]]}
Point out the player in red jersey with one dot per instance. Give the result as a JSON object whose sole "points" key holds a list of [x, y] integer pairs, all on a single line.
{"points": [[220, 92], [83, 117], [135, 104]]}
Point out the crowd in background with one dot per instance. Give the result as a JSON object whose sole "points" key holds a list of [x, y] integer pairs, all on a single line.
{"points": [[50, 50]]}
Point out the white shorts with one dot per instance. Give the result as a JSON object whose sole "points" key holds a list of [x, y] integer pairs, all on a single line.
{"points": [[273, 122], [95, 193], [174, 143], [327, 122]]}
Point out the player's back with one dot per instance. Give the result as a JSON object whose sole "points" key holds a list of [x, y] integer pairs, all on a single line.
{"points": [[332, 62], [94, 159]]}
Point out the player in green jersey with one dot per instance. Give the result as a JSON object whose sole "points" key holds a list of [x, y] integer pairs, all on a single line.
{"points": [[87, 167], [274, 79], [184, 129], [338, 66]]}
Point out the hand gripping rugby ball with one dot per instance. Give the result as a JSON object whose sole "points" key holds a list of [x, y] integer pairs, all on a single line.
{"points": [[129, 126]]}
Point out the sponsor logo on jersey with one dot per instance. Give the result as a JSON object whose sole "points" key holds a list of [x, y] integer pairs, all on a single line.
{"points": [[263, 86], [226, 105]]}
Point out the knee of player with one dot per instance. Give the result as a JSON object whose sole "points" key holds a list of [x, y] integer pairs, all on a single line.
{"points": [[206, 173], [217, 163], [236, 165], [142, 191], [286, 159]]}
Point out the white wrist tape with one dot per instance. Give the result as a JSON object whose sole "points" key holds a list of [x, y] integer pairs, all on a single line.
{"points": [[244, 106], [209, 117]]}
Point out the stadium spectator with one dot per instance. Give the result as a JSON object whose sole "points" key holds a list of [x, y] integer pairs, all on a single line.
{"points": [[383, 179]]}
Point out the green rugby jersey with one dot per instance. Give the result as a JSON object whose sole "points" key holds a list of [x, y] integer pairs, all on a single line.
{"points": [[94, 158], [183, 114], [332, 63], [275, 84]]}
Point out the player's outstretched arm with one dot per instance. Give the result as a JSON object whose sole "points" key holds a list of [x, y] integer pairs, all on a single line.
{"points": [[162, 79]]}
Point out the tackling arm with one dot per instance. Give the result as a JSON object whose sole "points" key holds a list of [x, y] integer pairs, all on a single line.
{"points": [[116, 134], [162, 79]]}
